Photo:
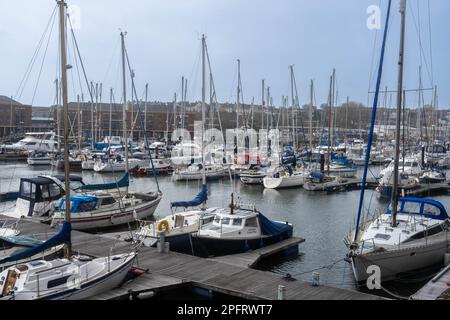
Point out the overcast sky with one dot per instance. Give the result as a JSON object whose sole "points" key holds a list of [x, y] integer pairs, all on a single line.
{"points": [[163, 43]]}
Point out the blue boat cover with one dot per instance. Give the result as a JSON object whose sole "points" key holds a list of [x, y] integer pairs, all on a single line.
{"points": [[317, 175], [63, 236], [77, 201], [428, 208], [201, 197], [269, 227], [123, 182], [24, 241]]}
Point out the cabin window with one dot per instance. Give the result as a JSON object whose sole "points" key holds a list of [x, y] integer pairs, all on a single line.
{"points": [[87, 206], [33, 191], [26, 188], [54, 190], [107, 201], [217, 219], [251, 223], [411, 207], [431, 210], [237, 222], [226, 221], [57, 282], [44, 192]]}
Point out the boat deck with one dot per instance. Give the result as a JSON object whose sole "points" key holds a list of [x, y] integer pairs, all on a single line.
{"points": [[170, 270]]}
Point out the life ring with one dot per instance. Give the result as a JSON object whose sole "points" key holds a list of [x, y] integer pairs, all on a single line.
{"points": [[164, 223]]}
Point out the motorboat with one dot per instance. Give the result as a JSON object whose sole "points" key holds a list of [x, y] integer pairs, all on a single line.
{"points": [[33, 141], [433, 176], [252, 176], [39, 158], [237, 230]]}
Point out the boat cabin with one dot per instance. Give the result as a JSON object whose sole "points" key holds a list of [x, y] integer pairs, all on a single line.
{"points": [[241, 224], [427, 208], [36, 196]]}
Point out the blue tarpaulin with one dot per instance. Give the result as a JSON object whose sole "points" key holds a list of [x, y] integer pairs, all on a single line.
{"points": [[62, 237], [201, 197], [77, 202], [269, 227]]}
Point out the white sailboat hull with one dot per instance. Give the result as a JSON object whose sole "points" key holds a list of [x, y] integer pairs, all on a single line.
{"points": [[109, 218], [119, 166], [39, 161], [296, 180], [406, 259]]}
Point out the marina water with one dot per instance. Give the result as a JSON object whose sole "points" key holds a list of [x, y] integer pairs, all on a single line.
{"points": [[322, 218]]}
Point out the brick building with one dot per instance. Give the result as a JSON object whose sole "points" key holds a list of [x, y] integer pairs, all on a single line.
{"points": [[15, 118]]}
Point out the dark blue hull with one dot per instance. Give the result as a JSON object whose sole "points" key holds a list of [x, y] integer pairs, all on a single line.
{"points": [[207, 247]]}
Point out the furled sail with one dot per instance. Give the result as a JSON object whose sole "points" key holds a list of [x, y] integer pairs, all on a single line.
{"points": [[201, 197], [123, 182], [63, 236]]}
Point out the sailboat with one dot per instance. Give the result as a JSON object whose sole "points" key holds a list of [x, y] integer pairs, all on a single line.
{"points": [[288, 175], [319, 181], [102, 209], [413, 233], [214, 231], [71, 277]]}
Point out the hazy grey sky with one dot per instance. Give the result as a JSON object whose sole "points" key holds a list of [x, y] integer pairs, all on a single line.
{"points": [[266, 35]]}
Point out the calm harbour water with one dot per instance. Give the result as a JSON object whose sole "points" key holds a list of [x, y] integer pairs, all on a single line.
{"points": [[322, 219]]}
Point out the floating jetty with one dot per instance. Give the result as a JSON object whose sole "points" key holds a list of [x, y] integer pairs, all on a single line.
{"points": [[421, 190], [437, 289], [229, 275]]}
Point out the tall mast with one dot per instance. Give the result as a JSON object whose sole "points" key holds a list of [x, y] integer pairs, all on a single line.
{"points": [[399, 112], [203, 108], [78, 124], [332, 108], [238, 105], [100, 114], [92, 117], [291, 68], [311, 117], [62, 31], [124, 88], [329, 125], [262, 103], [174, 111], [110, 113], [145, 107], [58, 116], [182, 102]]}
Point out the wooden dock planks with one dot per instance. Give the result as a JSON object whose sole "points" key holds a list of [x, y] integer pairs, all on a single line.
{"points": [[166, 270]]}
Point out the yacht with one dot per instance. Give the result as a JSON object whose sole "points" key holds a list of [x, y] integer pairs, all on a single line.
{"points": [[104, 209], [408, 165], [118, 164], [39, 158], [43, 141], [419, 240], [252, 176], [285, 177], [194, 172], [238, 230], [64, 279]]}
